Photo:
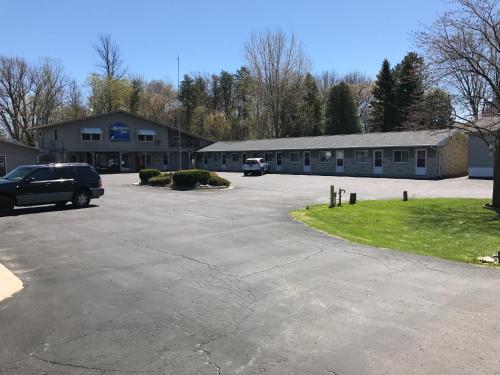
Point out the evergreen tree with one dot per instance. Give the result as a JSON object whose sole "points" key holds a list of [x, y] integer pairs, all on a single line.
{"points": [[409, 86], [226, 88], [243, 93], [310, 108], [342, 117], [188, 100], [384, 111], [136, 88]]}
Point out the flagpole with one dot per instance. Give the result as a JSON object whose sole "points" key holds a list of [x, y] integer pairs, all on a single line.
{"points": [[179, 114]]}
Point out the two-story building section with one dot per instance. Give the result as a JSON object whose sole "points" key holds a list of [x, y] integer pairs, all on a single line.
{"points": [[117, 142]]}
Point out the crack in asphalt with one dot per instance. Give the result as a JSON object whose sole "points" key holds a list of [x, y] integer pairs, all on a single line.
{"points": [[284, 264], [82, 367]]}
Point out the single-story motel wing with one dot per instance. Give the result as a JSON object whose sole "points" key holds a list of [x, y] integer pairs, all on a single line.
{"points": [[407, 154], [14, 154]]}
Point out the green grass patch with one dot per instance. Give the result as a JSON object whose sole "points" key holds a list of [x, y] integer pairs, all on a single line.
{"points": [[455, 229]]}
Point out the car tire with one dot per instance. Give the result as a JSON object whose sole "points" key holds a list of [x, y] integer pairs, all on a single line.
{"points": [[81, 199], [261, 171], [6, 206]]}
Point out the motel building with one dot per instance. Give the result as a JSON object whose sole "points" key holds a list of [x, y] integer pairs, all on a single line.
{"points": [[406, 154], [118, 142]]}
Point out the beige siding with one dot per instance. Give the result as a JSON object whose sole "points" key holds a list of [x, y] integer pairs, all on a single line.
{"points": [[454, 156]]}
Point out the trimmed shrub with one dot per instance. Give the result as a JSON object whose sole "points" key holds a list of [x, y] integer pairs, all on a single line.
{"points": [[190, 177], [161, 180], [146, 174], [216, 180]]}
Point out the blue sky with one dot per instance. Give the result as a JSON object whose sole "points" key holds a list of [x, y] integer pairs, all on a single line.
{"points": [[209, 35]]}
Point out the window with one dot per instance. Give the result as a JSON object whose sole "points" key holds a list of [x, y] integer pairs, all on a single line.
{"points": [[165, 159], [361, 156], [243, 157], [145, 138], [216, 157], [55, 134], [91, 134], [62, 173], [400, 156], [236, 158], [294, 157], [254, 154], [325, 157], [205, 159], [42, 174], [268, 156], [223, 159]]}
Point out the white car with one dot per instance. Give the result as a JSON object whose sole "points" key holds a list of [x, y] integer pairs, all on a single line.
{"points": [[256, 166]]}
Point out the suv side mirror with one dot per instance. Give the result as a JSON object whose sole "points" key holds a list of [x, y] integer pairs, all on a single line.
{"points": [[29, 180]]}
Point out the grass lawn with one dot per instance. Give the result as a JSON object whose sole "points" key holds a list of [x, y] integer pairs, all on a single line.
{"points": [[456, 229]]}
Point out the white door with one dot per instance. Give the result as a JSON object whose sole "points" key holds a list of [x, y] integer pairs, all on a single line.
{"points": [[3, 165], [339, 161], [223, 156], [378, 162], [307, 161], [279, 162], [421, 162]]}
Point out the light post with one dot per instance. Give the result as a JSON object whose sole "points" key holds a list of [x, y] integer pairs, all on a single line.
{"points": [[179, 114]]}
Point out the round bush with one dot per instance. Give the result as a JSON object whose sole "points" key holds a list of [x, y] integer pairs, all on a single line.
{"points": [[146, 174], [216, 180], [161, 180], [190, 177]]}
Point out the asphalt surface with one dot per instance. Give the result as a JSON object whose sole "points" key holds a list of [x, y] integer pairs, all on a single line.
{"points": [[150, 280]]}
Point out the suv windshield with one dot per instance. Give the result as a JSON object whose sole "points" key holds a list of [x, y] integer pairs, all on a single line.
{"points": [[19, 173]]}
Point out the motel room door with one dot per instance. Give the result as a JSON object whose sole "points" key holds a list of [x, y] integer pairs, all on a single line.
{"points": [[3, 165], [339, 161], [307, 161], [279, 162], [421, 162], [378, 162]]}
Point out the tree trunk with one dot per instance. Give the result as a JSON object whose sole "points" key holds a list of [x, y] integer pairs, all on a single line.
{"points": [[496, 175]]}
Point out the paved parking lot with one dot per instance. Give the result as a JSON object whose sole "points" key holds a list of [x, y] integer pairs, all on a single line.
{"points": [[150, 280]]}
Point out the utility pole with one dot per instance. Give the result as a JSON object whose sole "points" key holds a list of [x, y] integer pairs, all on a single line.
{"points": [[179, 113]]}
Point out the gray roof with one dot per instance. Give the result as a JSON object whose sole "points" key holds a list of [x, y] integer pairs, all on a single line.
{"points": [[13, 142], [425, 138]]}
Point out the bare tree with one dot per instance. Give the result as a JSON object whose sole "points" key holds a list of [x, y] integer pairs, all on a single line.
{"points": [[362, 91], [30, 96], [277, 63], [110, 71], [109, 59], [463, 48]]}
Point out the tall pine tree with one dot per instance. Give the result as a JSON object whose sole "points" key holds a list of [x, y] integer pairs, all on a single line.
{"points": [[383, 115], [409, 87], [342, 117], [310, 107]]}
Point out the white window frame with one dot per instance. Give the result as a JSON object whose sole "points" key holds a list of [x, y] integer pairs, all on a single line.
{"points": [[402, 151], [91, 140], [145, 139], [328, 161], [361, 162], [297, 154]]}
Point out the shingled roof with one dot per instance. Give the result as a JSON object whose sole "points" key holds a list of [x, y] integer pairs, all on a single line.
{"points": [[425, 138]]}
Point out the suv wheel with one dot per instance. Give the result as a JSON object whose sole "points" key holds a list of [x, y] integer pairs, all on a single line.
{"points": [[6, 206], [81, 199]]}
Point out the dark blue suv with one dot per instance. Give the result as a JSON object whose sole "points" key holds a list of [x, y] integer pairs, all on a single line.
{"points": [[30, 185]]}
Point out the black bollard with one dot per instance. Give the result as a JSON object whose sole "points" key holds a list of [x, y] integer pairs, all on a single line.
{"points": [[405, 195], [352, 198]]}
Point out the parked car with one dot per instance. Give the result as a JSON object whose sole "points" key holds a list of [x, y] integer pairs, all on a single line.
{"points": [[256, 166], [30, 185]]}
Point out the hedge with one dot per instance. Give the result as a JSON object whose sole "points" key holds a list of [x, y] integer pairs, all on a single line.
{"points": [[216, 180], [161, 180], [190, 177], [146, 174]]}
